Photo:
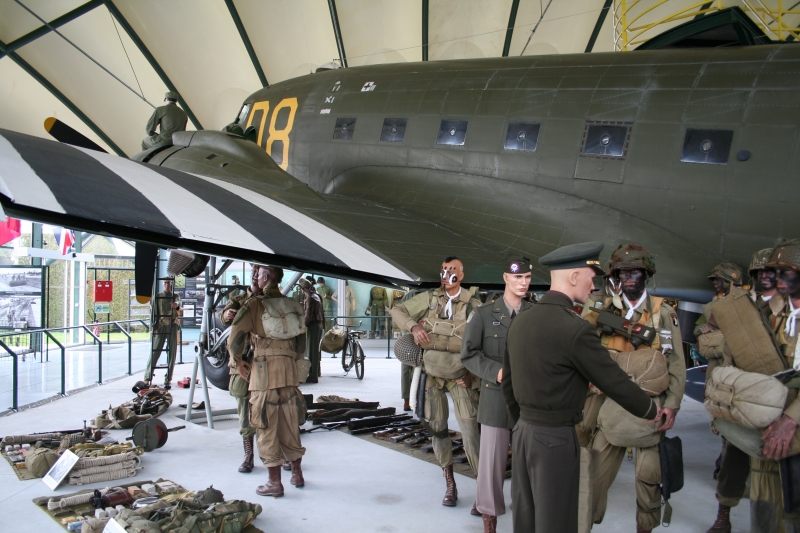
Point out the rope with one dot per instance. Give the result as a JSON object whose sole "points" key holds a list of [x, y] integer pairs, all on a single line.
{"points": [[105, 476], [20, 439], [125, 465], [79, 499], [88, 462]]}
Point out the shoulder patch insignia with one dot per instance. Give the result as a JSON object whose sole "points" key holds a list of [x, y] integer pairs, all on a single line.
{"points": [[240, 314], [674, 318], [472, 314]]}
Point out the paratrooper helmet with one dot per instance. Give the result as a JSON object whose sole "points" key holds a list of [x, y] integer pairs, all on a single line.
{"points": [[727, 271], [630, 256], [759, 261], [785, 255]]}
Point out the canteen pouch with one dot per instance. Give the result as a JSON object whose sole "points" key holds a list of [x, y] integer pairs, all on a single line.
{"points": [[670, 452], [40, 461], [334, 340], [624, 429], [237, 387], [445, 335], [710, 345], [790, 483], [647, 368], [442, 364], [303, 369], [747, 398], [282, 318]]}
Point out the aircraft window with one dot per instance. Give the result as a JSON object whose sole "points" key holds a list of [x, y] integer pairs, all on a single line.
{"points": [[394, 129], [345, 127], [453, 132], [606, 140], [522, 136], [242, 114], [707, 146]]}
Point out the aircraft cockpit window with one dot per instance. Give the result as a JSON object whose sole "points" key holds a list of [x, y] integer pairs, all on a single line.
{"points": [[605, 140], [452, 132], [345, 127], [707, 146], [242, 114], [522, 136], [394, 129]]}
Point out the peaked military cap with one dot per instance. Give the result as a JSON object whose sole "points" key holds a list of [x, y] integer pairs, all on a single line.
{"points": [[760, 259], [728, 271], [786, 254], [585, 254], [518, 265], [171, 95]]}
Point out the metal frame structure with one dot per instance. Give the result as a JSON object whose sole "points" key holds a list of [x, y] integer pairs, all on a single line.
{"points": [[601, 19], [512, 19], [237, 20], [337, 32], [425, 10]]}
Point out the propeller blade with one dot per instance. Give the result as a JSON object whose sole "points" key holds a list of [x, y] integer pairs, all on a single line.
{"points": [[67, 135], [145, 271]]}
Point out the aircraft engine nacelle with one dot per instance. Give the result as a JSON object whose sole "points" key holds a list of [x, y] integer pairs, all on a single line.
{"points": [[186, 263]]}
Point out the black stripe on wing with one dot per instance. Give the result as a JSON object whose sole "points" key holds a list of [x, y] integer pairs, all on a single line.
{"points": [[87, 189]]}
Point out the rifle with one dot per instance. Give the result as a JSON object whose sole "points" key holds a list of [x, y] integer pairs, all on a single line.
{"points": [[382, 431], [328, 425], [637, 333], [375, 421]]}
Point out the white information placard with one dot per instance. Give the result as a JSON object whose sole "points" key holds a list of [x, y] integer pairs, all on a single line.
{"points": [[60, 470]]}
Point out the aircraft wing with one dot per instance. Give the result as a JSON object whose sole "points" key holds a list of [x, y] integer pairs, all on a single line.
{"points": [[263, 215]]}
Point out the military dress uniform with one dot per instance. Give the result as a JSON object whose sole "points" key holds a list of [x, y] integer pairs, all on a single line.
{"points": [[274, 392], [314, 319], [378, 302], [168, 118], [160, 318], [482, 354], [238, 387], [552, 355], [465, 399]]}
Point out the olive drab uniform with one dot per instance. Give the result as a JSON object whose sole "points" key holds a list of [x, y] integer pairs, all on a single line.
{"points": [[314, 319], [465, 399], [238, 386], [607, 458], [378, 302], [160, 320], [168, 118], [275, 399], [325, 293]]}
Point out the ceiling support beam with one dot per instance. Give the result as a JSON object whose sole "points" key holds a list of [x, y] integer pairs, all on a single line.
{"points": [[150, 59], [425, 7], [512, 19], [702, 9], [598, 25], [61, 97], [41, 31], [237, 20], [337, 32]]}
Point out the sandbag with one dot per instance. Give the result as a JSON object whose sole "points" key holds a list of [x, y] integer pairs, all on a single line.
{"points": [[443, 364], [40, 461], [647, 368], [445, 335], [747, 398], [334, 340], [408, 351], [710, 345], [283, 318], [748, 336], [625, 430]]}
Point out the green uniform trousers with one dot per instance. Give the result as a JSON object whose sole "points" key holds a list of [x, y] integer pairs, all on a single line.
{"points": [[545, 473], [274, 414], [160, 336], [734, 469], [313, 337], [377, 324], [437, 411], [607, 459], [237, 388], [766, 500], [406, 375]]}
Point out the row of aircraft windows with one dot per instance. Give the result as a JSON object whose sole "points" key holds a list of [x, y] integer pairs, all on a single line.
{"points": [[599, 139]]}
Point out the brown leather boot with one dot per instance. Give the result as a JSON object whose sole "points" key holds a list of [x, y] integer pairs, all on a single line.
{"points": [[406, 405], [451, 495], [287, 465], [247, 465], [273, 487], [297, 474], [723, 523], [489, 524], [474, 511]]}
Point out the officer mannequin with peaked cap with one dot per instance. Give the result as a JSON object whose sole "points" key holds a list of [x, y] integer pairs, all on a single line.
{"points": [[169, 118], [552, 354]]}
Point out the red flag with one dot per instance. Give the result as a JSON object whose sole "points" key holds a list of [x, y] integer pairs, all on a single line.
{"points": [[66, 241], [9, 230]]}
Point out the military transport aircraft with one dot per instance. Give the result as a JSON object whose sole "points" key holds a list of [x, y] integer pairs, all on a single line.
{"points": [[378, 172]]}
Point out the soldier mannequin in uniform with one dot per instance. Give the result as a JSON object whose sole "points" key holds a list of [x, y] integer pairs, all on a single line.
{"points": [[378, 303], [552, 354], [485, 359], [765, 288], [273, 386], [326, 293], [314, 319], [168, 118], [349, 303], [238, 386], [166, 309], [448, 302], [630, 267]]}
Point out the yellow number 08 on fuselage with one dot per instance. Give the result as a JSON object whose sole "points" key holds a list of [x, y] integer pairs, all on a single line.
{"points": [[275, 134]]}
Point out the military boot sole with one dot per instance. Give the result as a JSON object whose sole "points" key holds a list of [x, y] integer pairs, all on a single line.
{"points": [[275, 493], [245, 469]]}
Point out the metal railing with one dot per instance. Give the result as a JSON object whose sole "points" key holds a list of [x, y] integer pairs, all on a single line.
{"points": [[388, 329], [63, 348]]}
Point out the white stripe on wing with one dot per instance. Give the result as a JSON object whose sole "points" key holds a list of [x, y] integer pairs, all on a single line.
{"points": [[19, 182]]}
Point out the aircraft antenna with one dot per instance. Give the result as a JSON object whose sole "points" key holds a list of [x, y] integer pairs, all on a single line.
{"points": [[541, 17]]}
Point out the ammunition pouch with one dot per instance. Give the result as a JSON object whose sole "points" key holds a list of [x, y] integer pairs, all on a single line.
{"points": [[746, 398], [445, 335], [711, 345]]}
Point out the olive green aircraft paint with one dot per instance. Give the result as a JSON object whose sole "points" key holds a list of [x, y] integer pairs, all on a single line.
{"points": [[482, 201]]}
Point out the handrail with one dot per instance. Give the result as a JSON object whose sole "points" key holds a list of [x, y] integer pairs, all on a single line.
{"points": [[388, 330]]}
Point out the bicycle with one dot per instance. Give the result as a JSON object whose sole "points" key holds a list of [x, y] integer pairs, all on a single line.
{"points": [[353, 353]]}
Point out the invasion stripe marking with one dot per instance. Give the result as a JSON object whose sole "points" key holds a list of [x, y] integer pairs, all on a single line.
{"points": [[195, 218], [85, 188], [358, 257], [19, 182], [272, 231]]}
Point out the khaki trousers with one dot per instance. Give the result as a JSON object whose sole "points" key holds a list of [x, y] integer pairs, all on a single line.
{"points": [[492, 470], [160, 336], [607, 459], [766, 500], [734, 468], [546, 472], [274, 414], [238, 385], [437, 411]]}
